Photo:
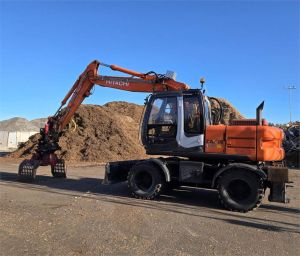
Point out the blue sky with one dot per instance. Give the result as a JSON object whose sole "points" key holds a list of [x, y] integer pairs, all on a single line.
{"points": [[248, 51]]}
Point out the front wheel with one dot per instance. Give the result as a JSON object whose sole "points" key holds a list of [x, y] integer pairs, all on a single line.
{"points": [[145, 181], [240, 190]]}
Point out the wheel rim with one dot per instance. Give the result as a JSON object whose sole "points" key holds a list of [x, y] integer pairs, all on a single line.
{"points": [[143, 180], [239, 190]]}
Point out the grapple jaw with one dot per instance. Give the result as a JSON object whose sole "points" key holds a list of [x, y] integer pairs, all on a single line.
{"points": [[44, 155], [28, 167]]}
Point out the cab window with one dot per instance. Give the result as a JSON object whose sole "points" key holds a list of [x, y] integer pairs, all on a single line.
{"points": [[193, 115], [162, 123], [164, 111]]}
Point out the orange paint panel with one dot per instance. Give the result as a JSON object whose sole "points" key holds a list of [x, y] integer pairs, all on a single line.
{"points": [[241, 132], [241, 140], [241, 143], [214, 139], [250, 153], [258, 143], [269, 144]]}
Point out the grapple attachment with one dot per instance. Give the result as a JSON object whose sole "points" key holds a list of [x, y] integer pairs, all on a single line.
{"points": [[27, 169], [44, 155], [59, 169]]}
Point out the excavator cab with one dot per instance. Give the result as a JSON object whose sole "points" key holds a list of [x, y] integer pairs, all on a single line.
{"points": [[174, 122]]}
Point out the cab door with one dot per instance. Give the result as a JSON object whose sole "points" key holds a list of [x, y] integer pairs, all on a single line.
{"points": [[190, 121], [161, 127]]}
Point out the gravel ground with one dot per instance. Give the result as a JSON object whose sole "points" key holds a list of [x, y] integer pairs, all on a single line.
{"points": [[79, 216]]}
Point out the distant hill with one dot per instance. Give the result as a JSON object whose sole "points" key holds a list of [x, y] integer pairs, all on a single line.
{"points": [[39, 122], [22, 124]]}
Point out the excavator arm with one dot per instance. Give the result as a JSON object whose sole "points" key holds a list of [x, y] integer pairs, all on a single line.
{"points": [[49, 136], [138, 82]]}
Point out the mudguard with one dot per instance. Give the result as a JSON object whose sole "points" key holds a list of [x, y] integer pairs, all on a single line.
{"points": [[240, 166], [116, 172]]}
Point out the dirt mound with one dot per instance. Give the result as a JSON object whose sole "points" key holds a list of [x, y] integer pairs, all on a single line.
{"points": [[39, 122], [103, 133], [126, 109], [229, 112]]}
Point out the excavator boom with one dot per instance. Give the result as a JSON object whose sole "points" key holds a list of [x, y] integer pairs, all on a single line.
{"points": [[138, 82]]}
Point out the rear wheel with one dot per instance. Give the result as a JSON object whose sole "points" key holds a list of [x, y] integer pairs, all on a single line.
{"points": [[145, 181], [240, 190]]}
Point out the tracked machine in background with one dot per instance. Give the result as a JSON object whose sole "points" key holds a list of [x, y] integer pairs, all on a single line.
{"points": [[241, 160]]}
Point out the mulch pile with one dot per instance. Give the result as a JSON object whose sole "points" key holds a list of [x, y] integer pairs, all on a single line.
{"points": [[104, 133], [229, 111]]}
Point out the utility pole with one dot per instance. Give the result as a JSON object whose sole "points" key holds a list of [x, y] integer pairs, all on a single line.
{"points": [[290, 88]]}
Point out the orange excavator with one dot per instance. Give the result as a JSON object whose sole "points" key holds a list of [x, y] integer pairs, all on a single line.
{"points": [[241, 160]]}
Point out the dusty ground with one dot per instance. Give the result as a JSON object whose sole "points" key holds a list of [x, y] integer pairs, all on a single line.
{"points": [[79, 216]]}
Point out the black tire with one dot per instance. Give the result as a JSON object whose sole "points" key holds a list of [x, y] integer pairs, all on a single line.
{"points": [[145, 181], [240, 190]]}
